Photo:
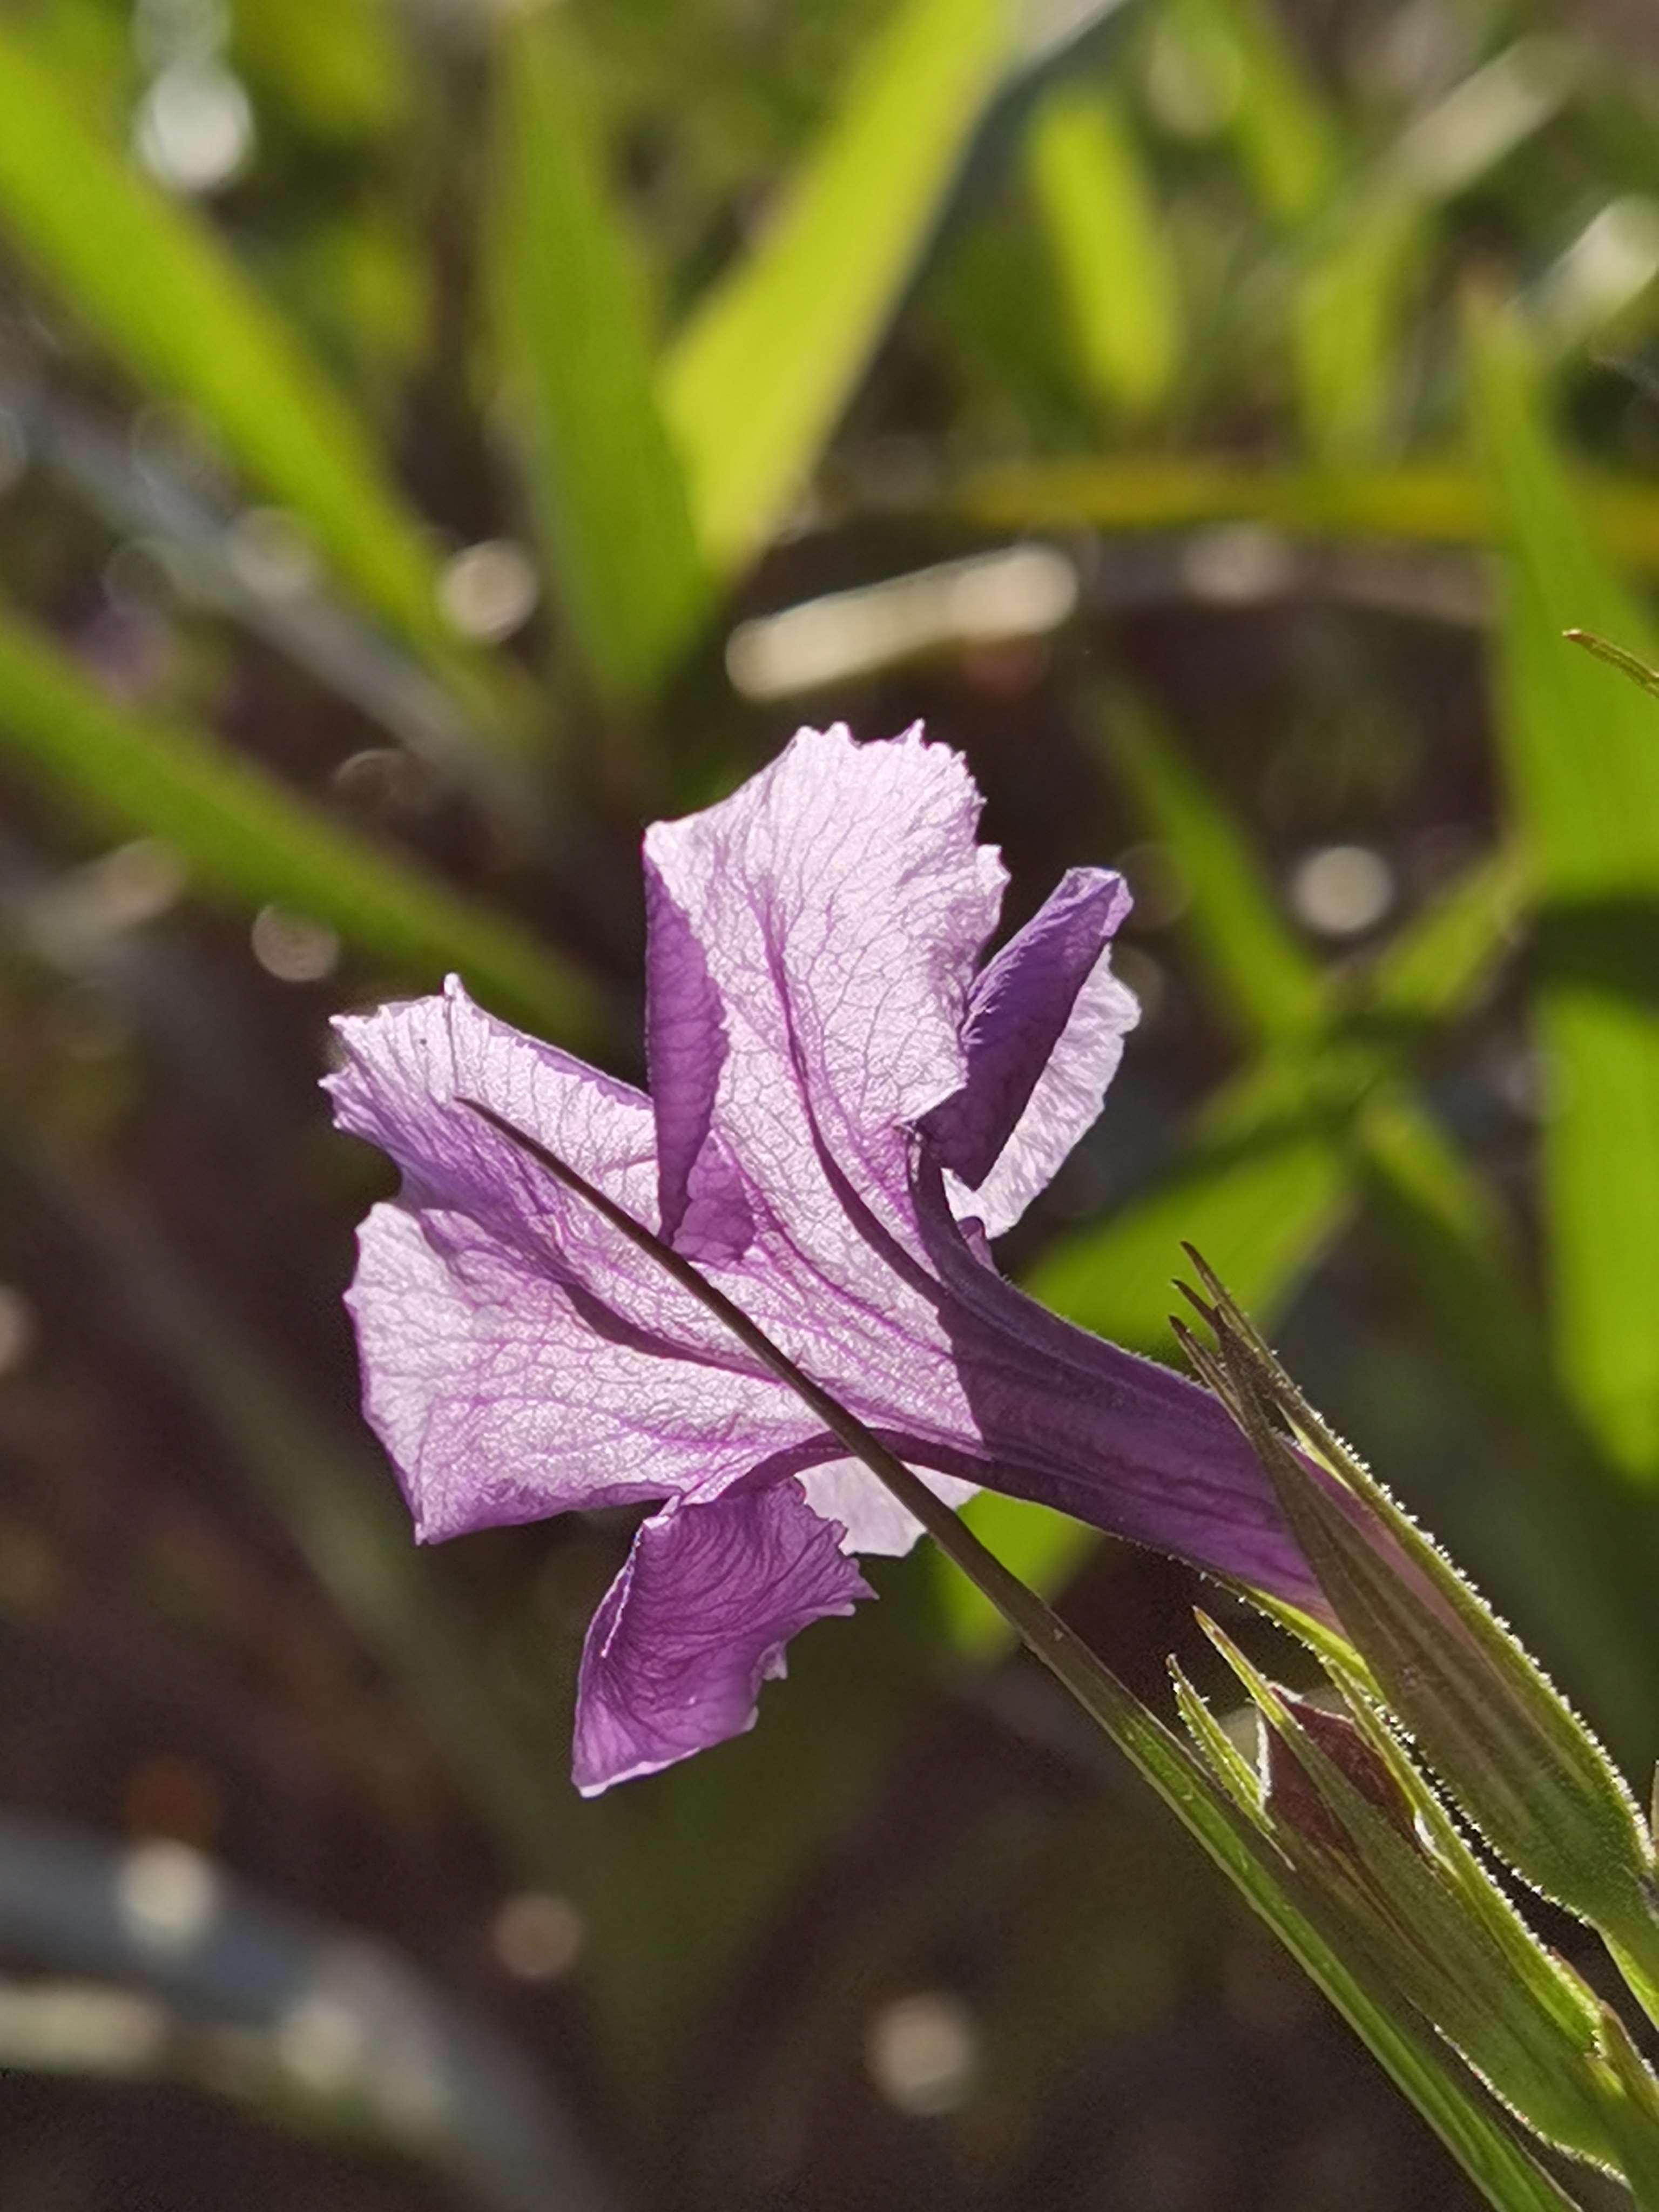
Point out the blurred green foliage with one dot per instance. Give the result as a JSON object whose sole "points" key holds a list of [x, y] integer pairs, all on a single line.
{"points": [[412, 417]]}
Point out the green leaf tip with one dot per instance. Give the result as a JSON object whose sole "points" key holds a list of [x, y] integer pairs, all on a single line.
{"points": [[1616, 657], [1630, 2102]]}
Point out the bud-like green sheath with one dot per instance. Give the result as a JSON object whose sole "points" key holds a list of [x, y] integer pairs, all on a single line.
{"points": [[1344, 1808], [1487, 1721]]}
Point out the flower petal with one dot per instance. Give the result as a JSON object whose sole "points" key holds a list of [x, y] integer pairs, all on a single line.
{"points": [[1043, 1034], [518, 1357], [696, 1622], [840, 899], [494, 1398], [872, 1518], [703, 1211], [1071, 1421], [405, 1069]]}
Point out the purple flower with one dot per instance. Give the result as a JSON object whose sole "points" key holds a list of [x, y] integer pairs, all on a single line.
{"points": [[842, 1111]]}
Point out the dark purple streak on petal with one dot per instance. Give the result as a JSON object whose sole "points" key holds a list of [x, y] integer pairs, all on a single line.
{"points": [[1017, 1015], [880, 1240], [1071, 1421], [702, 1207]]}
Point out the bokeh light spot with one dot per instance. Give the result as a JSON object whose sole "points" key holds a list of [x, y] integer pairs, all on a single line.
{"points": [[922, 2052], [193, 129], [292, 948], [167, 1896], [321, 2043], [1342, 891], [489, 590], [536, 1937]]}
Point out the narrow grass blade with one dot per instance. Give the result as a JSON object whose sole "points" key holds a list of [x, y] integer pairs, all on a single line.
{"points": [[756, 381], [573, 343], [247, 838], [1434, 968], [1417, 503], [1347, 319], [340, 68], [1631, 2102], [1221, 1754], [1581, 1544], [1521, 1763], [1603, 649], [1367, 257], [1271, 987], [1264, 1175], [148, 279], [1346, 1804], [1288, 141], [1580, 749], [1116, 273], [1267, 1174]]}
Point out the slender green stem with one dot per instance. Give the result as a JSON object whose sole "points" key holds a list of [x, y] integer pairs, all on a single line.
{"points": [[1421, 2066], [1060, 1647]]}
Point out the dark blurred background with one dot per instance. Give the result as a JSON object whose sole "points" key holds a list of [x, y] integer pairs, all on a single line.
{"points": [[435, 439]]}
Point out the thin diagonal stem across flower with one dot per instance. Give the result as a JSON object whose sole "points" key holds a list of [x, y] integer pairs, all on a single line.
{"points": [[1060, 1647], [1506, 2172]]}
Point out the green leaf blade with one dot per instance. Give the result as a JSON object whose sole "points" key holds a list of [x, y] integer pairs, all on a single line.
{"points": [[756, 381], [1271, 986], [1580, 747], [1271, 1213], [1288, 141], [246, 837], [1420, 2065], [1349, 319], [149, 280], [1116, 273], [1431, 970], [573, 336]]}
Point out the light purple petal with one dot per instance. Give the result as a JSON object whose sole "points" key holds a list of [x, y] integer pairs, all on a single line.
{"points": [[696, 1622], [494, 1398], [404, 1069], [874, 1521], [840, 899], [518, 1357], [1043, 1034], [703, 1211]]}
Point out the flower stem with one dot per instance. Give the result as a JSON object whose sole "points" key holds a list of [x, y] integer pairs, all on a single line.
{"points": [[1060, 1647], [1509, 2176]]}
